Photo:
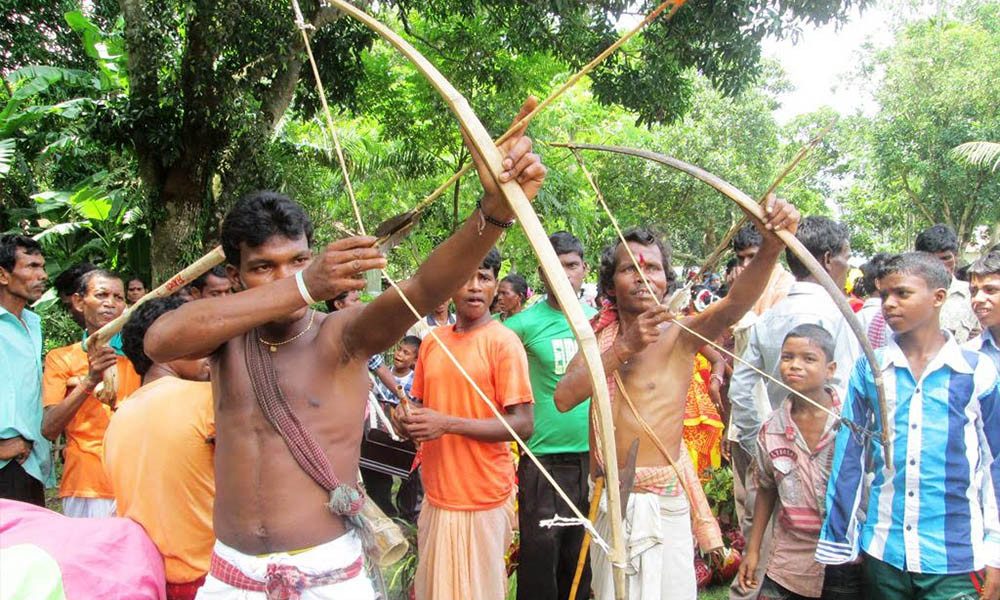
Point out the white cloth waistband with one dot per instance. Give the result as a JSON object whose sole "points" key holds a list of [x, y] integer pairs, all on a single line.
{"points": [[335, 554]]}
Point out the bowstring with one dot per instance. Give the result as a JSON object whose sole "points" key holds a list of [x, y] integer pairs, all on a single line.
{"points": [[585, 522], [855, 427]]}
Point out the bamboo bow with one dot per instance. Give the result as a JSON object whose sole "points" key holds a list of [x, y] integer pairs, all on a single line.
{"points": [[480, 139], [754, 210]]}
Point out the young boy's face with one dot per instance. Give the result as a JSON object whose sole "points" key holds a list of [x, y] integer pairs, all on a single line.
{"points": [[804, 366], [986, 299], [908, 301], [472, 300], [405, 356]]}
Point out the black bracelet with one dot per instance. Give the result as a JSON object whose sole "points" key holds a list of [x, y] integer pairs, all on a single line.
{"points": [[491, 220]]}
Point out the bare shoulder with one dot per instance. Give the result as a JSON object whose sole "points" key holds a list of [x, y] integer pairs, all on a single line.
{"points": [[332, 327]]}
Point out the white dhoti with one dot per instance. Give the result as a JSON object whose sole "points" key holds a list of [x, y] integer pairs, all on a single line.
{"points": [[659, 547], [337, 560], [88, 508]]}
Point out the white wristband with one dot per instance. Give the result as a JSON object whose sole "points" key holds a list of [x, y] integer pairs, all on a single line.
{"points": [[303, 290]]}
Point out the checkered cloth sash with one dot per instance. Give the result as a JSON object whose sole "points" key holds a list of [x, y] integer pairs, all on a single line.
{"points": [[282, 582]]}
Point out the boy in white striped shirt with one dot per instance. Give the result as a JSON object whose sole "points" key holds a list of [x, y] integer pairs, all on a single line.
{"points": [[931, 529]]}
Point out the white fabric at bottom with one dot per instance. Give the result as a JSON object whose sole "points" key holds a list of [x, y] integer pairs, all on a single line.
{"points": [[330, 556], [660, 550], [94, 508]]}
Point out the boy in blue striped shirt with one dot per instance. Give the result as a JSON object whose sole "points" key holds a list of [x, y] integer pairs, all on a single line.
{"points": [[930, 522]]}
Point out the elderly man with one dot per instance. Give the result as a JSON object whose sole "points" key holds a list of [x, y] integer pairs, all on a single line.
{"points": [[71, 375]]}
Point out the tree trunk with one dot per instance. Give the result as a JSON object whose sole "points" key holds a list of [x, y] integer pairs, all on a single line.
{"points": [[176, 232]]}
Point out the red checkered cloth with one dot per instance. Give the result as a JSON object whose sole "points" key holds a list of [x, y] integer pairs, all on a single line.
{"points": [[282, 582], [877, 335], [184, 591]]}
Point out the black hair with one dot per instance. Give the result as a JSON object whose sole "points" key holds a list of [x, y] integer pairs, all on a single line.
{"points": [[519, 284], [138, 323], [937, 238], [83, 281], [258, 217], [922, 264], [820, 235], [987, 264], [645, 237], [817, 335], [8, 249], [331, 304], [747, 237], [201, 280], [411, 340], [492, 261], [69, 280], [865, 286], [564, 242], [731, 264], [128, 278]]}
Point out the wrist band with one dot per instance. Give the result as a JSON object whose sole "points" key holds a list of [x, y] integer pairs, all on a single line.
{"points": [[303, 290], [491, 220], [717, 377]]}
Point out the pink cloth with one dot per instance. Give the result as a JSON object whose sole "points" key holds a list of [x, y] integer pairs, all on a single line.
{"points": [[98, 558]]}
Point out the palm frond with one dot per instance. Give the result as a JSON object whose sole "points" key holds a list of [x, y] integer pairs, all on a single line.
{"points": [[979, 153], [6, 156]]}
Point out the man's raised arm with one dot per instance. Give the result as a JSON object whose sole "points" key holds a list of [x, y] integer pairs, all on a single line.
{"points": [[778, 214], [198, 328], [383, 322]]}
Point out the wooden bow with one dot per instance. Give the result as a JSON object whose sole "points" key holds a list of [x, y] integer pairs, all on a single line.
{"points": [[480, 139], [755, 211]]}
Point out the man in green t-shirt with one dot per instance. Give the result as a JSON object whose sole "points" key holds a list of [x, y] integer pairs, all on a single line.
{"points": [[548, 557]]}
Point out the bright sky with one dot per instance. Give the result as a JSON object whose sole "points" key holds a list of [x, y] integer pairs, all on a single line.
{"points": [[817, 65]]}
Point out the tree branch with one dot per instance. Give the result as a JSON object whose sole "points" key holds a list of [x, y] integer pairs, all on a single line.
{"points": [[916, 200], [287, 67]]}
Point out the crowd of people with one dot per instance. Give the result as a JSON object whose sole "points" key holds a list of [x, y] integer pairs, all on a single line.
{"points": [[230, 452]]}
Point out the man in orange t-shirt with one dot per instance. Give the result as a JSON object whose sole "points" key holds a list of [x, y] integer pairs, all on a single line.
{"points": [[70, 404], [466, 522], [158, 454]]}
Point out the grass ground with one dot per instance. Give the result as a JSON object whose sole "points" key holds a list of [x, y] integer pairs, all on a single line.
{"points": [[718, 592]]}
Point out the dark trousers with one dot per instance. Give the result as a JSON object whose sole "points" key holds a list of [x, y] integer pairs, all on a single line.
{"points": [[840, 582], [16, 484], [548, 557], [885, 582], [409, 496]]}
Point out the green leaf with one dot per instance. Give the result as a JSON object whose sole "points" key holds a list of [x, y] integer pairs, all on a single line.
{"points": [[91, 203]]}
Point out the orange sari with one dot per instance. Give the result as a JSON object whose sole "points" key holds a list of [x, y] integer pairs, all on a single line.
{"points": [[702, 423]]}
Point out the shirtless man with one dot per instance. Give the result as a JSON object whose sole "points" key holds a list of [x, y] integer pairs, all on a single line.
{"points": [[265, 502], [654, 360]]}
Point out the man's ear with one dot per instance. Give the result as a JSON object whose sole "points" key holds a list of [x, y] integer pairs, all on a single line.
{"points": [[233, 274], [4, 276], [77, 301], [831, 369]]}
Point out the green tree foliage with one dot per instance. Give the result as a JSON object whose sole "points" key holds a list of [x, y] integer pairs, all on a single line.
{"points": [[936, 88], [210, 81]]}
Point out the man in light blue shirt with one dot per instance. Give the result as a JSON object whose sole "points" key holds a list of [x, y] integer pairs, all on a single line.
{"points": [[25, 467], [807, 302], [984, 285]]}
